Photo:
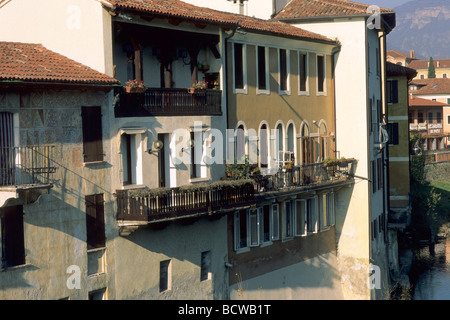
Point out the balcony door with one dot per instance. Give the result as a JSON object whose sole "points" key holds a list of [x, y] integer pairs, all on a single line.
{"points": [[167, 169]]}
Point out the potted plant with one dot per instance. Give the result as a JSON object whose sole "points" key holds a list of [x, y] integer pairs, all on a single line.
{"points": [[135, 86], [199, 86]]}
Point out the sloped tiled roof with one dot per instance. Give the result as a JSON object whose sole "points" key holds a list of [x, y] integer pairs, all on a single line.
{"points": [[31, 62], [396, 54], [393, 69], [423, 64], [180, 10], [419, 102], [432, 86], [324, 8]]}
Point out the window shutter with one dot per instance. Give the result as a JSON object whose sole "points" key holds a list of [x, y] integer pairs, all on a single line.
{"points": [[394, 91], [92, 134], [95, 221]]}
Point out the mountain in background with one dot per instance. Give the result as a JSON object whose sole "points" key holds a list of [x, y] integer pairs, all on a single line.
{"points": [[423, 26]]}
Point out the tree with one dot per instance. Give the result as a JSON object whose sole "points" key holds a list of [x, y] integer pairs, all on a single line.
{"points": [[431, 69]]}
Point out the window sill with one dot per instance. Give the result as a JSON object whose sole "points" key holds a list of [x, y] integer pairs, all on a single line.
{"points": [[133, 186], [93, 163], [243, 250], [303, 93], [199, 180], [13, 268], [262, 92], [321, 94], [284, 92]]}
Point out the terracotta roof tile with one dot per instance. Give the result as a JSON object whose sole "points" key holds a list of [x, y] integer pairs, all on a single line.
{"points": [[393, 69], [432, 86], [423, 64], [396, 54], [324, 8], [179, 9], [33, 62], [419, 102]]}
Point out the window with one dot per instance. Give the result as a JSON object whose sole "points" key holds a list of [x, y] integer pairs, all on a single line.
{"points": [[92, 134], [392, 129], [13, 242], [239, 68], [326, 209], [374, 175], [320, 74], [131, 150], [380, 173], [420, 117], [95, 221], [422, 76], [264, 224], [392, 91], [300, 218], [240, 230], [97, 295], [448, 119], [263, 70], [240, 144], [279, 141], [444, 75], [283, 67], [438, 117], [254, 227], [165, 275], [303, 72], [198, 141], [264, 146], [205, 266], [7, 157], [306, 216], [430, 117], [275, 222], [311, 215], [288, 220]]}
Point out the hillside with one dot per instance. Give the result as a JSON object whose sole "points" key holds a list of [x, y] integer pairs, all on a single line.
{"points": [[423, 26]]}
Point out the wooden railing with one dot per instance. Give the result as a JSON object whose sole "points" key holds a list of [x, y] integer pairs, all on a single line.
{"points": [[169, 203], [169, 102], [26, 165]]}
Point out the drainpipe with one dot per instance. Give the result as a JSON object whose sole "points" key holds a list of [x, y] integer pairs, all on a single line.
{"points": [[226, 69]]}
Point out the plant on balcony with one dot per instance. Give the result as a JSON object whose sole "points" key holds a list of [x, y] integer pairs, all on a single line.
{"points": [[239, 170], [342, 161], [199, 86], [135, 86]]}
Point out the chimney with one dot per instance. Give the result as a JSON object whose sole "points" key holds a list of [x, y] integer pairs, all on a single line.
{"points": [[438, 63], [412, 54]]}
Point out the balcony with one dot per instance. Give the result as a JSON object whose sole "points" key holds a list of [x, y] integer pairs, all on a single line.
{"points": [[430, 128], [165, 204], [23, 169], [140, 207], [169, 102], [307, 176]]}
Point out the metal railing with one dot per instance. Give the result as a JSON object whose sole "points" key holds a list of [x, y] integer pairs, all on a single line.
{"points": [[169, 102], [26, 165], [167, 203]]}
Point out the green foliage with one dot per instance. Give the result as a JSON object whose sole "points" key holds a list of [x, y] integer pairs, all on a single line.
{"points": [[417, 168], [431, 69]]}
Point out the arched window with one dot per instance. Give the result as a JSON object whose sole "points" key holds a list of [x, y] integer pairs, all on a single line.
{"points": [[324, 141], [264, 146], [305, 144], [291, 145], [279, 141], [240, 143]]}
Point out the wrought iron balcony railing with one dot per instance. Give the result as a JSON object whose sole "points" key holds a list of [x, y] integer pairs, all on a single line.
{"points": [[169, 102], [26, 165]]}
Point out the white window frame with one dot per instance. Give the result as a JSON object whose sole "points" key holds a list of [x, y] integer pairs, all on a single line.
{"points": [[324, 92], [237, 230], [300, 92], [288, 72], [243, 90], [291, 227], [266, 62], [275, 221], [262, 241], [328, 211], [253, 238], [299, 204]]}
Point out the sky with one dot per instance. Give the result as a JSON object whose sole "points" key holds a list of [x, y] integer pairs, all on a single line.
{"points": [[389, 4]]}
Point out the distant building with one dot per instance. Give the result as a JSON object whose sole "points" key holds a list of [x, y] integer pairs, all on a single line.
{"points": [[442, 68], [400, 58]]}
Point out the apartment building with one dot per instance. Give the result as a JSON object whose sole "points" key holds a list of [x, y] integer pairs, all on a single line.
{"points": [[282, 218]]}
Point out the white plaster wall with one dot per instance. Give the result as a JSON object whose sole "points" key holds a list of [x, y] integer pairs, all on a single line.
{"points": [[314, 279], [72, 28]]}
